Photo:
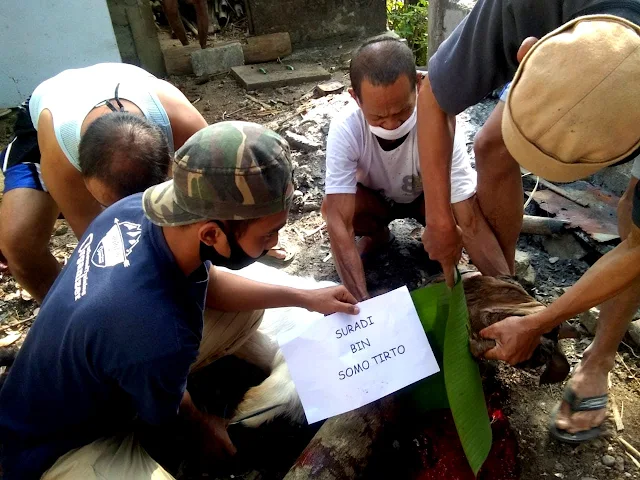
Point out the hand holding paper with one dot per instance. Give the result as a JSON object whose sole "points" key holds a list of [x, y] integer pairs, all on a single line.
{"points": [[342, 362]]}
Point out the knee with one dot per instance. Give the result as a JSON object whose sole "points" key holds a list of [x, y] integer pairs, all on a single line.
{"points": [[625, 207], [18, 246], [323, 209], [487, 142], [492, 155]]}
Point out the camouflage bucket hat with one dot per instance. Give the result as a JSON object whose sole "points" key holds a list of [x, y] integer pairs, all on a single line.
{"points": [[226, 171]]}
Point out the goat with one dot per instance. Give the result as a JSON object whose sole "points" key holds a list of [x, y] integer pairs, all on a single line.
{"points": [[489, 300]]}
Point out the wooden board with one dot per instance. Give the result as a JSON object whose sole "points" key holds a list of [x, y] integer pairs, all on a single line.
{"points": [[177, 59], [251, 78], [265, 48]]}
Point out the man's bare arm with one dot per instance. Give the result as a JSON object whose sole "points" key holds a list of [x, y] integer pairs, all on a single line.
{"points": [[606, 278], [436, 130], [232, 293], [64, 182], [517, 337], [184, 117], [339, 210]]}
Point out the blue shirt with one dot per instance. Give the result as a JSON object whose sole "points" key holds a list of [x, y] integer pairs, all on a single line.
{"points": [[114, 339]]}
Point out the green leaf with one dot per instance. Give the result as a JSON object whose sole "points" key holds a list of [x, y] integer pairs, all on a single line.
{"points": [[445, 318]]}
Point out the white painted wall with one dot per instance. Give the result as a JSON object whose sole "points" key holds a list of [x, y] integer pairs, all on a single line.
{"points": [[40, 38]]}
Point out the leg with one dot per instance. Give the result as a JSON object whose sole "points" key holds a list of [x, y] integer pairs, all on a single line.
{"points": [[175, 22], [371, 220], [27, 218], [258, 350], [591, 376], [108, 458], [478, 238], [500, 191], [202, 14], [223, 333]]}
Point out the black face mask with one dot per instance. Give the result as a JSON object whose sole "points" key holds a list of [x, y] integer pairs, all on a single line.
{"points": [[238, 258]]}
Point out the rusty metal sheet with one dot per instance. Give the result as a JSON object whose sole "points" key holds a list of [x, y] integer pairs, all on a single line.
{"points": [[599, 220]]}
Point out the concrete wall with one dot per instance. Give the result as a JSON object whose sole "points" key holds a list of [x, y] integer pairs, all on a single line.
{"points": [[136, 34], [40, 38], [311, 21], [444, 17]]}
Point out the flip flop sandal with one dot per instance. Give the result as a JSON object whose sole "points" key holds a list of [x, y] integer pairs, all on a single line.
{"points": [[365, 257], [577, 404], [278, 262]]}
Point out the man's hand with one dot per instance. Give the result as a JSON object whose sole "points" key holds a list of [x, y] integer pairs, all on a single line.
{"points": [[216, 444], [331, 300], [516, 339], [445, 246]]}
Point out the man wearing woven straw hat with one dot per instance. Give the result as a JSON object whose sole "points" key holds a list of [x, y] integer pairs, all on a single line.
{"points": [[123, 324], [572, 109]]}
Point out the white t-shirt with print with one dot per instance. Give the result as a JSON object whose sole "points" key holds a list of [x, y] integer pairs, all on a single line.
{"points": [[355, 156]]}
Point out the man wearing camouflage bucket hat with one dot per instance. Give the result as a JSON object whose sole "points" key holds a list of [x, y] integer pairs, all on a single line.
{"points": [[123, 325], [571, 110]]}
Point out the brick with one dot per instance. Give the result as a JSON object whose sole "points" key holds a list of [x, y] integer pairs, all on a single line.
{"points": [[210, 61]]}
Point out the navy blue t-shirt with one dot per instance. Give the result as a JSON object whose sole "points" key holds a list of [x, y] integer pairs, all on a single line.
{"points": [[114, 339]]}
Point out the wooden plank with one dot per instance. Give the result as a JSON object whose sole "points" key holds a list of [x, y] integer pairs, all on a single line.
{"points": [[178, 59], [278, 75], [265, 48]]}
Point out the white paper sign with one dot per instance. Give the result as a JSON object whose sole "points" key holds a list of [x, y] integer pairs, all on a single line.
{"points": [[342, 362]]}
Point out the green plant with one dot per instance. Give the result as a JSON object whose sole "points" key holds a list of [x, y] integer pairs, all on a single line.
{"points": [[409, 20]]}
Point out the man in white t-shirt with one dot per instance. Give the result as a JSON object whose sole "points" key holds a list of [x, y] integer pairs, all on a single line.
{"points": [[373, 168]]}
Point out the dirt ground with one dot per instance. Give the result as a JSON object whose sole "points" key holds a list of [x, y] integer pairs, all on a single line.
{"points": [[526, 404]]}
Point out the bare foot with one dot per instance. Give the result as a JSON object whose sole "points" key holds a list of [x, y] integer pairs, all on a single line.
{"points": [[589, 380]]}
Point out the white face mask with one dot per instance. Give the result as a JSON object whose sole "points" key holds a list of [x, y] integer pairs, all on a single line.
{"points": [[399, 132]]}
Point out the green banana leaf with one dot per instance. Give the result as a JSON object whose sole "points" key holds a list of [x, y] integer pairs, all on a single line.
{"points": [[458, 386]]}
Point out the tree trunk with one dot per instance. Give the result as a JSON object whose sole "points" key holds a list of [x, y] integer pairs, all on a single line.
{"points": [[344, 445]]}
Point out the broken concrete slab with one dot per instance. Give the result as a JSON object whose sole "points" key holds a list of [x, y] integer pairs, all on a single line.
{"points": [[328, 88], [266, 75], [300, 142], [219, 59]]}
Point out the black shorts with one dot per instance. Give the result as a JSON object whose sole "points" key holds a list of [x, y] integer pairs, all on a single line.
{"points": [[20, 159], [635, 212]]}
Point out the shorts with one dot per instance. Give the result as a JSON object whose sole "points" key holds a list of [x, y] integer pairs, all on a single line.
{"points": [[504, 92], [20, 159]]}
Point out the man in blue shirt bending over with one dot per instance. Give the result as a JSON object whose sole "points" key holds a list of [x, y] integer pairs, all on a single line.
{"points": [[122, 325]]}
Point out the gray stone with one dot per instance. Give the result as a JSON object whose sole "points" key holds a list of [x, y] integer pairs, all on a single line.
{"points": [[588, 478], [589, 319], [311, 207], [524, 271], [553, 260], [608, 460], [620, 464], [564, 246], [210, 61], [634, 332]]}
